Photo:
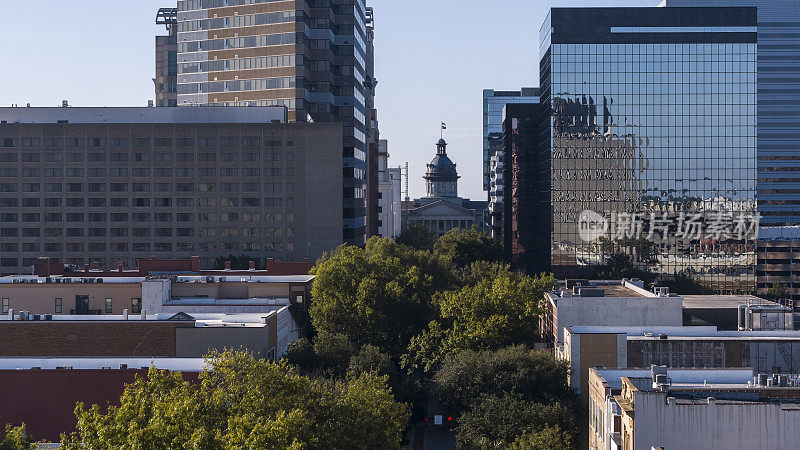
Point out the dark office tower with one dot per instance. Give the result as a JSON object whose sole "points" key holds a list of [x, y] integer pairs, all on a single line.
{"points": [[778, 106], [493, 104], [651, 141], [306, 55], [166, 80], [522, 204]]}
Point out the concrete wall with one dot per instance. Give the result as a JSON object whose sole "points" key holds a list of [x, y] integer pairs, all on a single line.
{"points": [[715, 426], [198, 341], [617, 311], [40, 298]]}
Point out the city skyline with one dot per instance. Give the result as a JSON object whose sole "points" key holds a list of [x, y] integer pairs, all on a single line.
{"points": [[447, 77]]}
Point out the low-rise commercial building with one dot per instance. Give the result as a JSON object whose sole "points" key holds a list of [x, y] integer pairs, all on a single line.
{"points": [[683, 408], [606, 303], [179, 335], [92, 294], [42, 392]]}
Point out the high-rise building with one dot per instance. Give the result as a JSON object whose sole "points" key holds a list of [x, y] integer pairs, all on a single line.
{"points": [[166, 79], [108, 185], [778, 106], [523, 211], [649, 141], [389, 194], [308, 55], [493, 103]]}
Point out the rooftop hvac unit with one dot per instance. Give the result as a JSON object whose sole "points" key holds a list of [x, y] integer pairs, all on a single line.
{"points": [[123, 366], [48, 317]]}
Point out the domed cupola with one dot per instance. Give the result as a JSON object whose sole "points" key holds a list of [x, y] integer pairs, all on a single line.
{"points": [[441, 179]]}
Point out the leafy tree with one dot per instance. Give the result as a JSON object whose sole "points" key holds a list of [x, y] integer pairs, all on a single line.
{"points": [[417, 236], [16, 438], [245, 403], [778, 292], [548, 438], [499, 422], [495, 309], [460, 248], [517, 371], [381, 295], [238, 262]]}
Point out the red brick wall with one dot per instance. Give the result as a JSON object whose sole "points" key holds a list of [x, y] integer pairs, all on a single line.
{"points": [[45, 399], [88, 339]]}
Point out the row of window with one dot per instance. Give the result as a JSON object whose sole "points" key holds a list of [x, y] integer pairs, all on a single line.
{"points": [[265, 40], [162, 202], [144, 187], [239, 21], [227, 142], [145, 172], [58, 305], [260, 62], [256, 84], [102, 247], [247, 217]]}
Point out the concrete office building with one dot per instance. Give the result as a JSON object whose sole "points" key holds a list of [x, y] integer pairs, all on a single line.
{"points": [[308, 56], [685, 408], [389, 194], [104, 185], [442, 209], [778, 106], [651, 119], [778, 256], [166, 79]]}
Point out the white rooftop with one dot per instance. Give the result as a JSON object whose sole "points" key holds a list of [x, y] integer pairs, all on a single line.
{"points": [[685, 377], [697, 332], [182, 364], [184, 114]]}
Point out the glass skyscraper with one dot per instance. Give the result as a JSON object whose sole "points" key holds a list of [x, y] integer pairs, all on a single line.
{"points": [[778, 105], [649, 140]]}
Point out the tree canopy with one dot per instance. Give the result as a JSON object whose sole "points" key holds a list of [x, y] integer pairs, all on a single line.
{"points": [[245, 402], [460, 248], [417, 236]]}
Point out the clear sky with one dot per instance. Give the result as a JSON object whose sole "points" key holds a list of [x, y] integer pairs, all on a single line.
{"points": [[433, 60]]}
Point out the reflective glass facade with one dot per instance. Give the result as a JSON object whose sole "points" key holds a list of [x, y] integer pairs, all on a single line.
{"points": [[778, 106], [648, 135]]}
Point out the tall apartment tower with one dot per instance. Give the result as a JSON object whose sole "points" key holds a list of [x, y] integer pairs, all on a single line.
{"points": [[649, 123], [307, 55], [778, 105], [166, 79]]}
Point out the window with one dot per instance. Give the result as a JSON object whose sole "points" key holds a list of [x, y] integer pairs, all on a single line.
{"points": [[140, 142], [97, 203], [118, 172], [30, 202], [109, 306], [75, 202], [136, 305], [58, 303], [185, 202], [141, 246], [119, 202]]}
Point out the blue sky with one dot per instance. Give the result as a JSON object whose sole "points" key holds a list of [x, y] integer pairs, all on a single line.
{"points": [[433, 60]]}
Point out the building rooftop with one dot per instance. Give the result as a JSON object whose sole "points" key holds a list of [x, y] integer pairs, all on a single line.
{"points": [[182, 364], [723, 301], [601, 288], [221, 277], [235, 320], [686, 377], [186, 114]]}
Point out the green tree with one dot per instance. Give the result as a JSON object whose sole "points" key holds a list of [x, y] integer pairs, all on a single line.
{"points": [[503, 422], [417, 236], [460, 248], [497, 308], [778, 291], [517, 371], [16, 438], [381, 295], [548, 438], [245, 402]]}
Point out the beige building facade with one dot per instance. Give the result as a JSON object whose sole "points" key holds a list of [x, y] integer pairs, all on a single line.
{"points": [[108, 185]]}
